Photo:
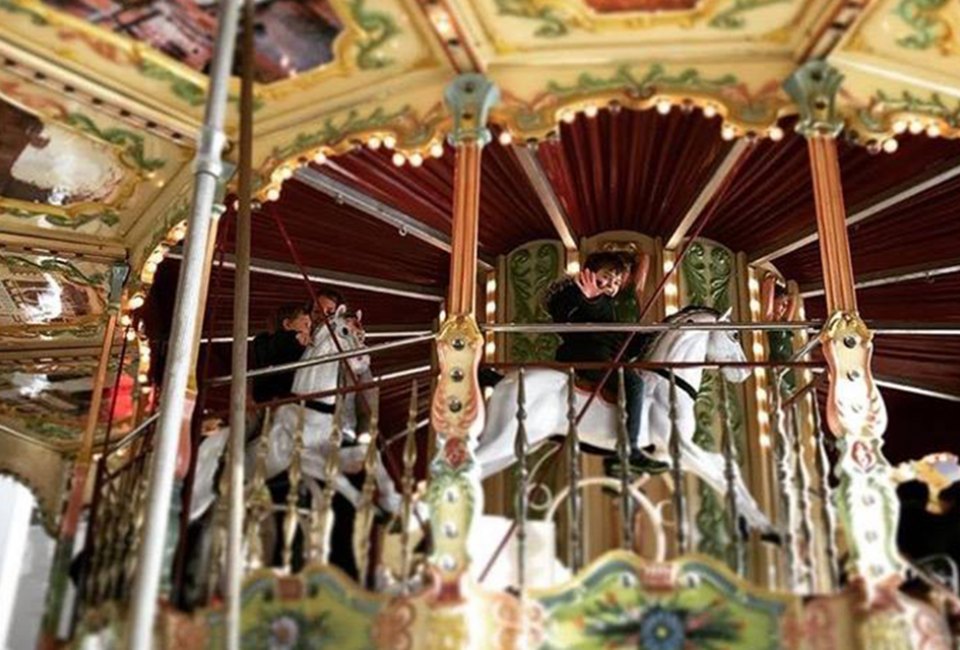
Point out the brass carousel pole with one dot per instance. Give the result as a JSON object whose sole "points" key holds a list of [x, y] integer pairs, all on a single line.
{"points": [[81, 466], [866, 501], [183, 335], [457, 410], [241, 326]]}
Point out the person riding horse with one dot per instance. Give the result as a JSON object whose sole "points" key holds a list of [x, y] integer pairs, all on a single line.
{"points": [[591, 297]]}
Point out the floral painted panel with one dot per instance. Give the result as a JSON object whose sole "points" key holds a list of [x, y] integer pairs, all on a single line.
{"points": [[531, 269]]}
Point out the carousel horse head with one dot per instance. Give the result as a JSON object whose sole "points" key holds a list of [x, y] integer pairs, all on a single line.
{"points": [[349, 337], [724, 346]]}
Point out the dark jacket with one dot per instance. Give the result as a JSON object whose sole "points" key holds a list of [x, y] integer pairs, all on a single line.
{"points": [[271, 350], [567, 304]]}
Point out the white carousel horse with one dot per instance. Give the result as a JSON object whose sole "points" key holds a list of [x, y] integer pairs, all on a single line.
{"points": [[317, 426], [546, 407]]}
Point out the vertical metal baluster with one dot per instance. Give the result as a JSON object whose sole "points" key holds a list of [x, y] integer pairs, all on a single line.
{"points": [[523, 476], [322, 522], [218, 550], [575, 509], [806, 533], [826, 497], [729, 473], [676, 472], [291, 521], [259, 503], [784, 480], [363, 524], [409, 462], [623, 452]]}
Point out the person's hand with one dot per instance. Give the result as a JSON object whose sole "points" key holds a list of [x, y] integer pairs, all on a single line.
{"points": [[303, 337], [587, 281]]}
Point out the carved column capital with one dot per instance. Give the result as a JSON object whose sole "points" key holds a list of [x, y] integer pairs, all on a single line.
{"points": [[469, 99], [813, 87]]}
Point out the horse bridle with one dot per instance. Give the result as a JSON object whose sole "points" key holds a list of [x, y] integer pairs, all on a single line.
{"points": [[682, 383]]}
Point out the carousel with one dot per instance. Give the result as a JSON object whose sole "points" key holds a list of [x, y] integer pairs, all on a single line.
{"points": [[479, 324]]}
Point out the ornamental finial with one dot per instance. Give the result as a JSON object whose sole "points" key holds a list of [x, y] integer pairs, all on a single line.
{"points": [[469, 98], [813, 87]]}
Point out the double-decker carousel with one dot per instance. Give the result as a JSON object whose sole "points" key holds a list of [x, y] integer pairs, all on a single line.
{"points": [[784, 177]]}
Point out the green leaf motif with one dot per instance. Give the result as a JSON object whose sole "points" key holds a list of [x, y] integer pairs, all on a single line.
{"points": [[655, 77], [929, 29], [14, 7], [334, 129], [732, 17], [553, 25], [191, 93], [530, 274], [130, 142], [108, 218], [16, 263], [933, 106], [378, 27]]}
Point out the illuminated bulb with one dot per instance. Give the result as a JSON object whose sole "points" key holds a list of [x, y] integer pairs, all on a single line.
{"points": [[670, 289], [443, 315], [916, 126], [762, 418], [776, 133], [131, 336], [663, 106], [754, 305], [416, 159], [143, 378], [399, 159], [490, 347], [765, 439], [591, 110], [389, 141], [890, 145], [125, 320], [374, 142], [364, 438], [505, 138], [754, 285], [568, 116], [491, 306], [758, 349], [491, 285], [899, 126], [933, 130], [709, 110], [573, 267], [728, 132], [761, 394], [286, 173], [135, 302], [273, 194], [150, 267], [436, 150], [319, 157]]}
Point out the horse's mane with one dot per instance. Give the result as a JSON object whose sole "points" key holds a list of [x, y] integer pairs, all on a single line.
{"points": [[689, 310]]}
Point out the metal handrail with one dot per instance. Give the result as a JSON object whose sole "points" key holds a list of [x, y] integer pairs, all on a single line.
{"points": [[133, 435], [327, 358], [876, 327], [653, 365]]}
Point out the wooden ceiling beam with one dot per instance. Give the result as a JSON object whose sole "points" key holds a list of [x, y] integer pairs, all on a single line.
{"points": [[926, 181], [892, 276], [530, 163], [337, 279], [709, 192], [381, 211]]}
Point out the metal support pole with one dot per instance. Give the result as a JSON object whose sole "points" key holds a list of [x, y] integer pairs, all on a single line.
{"points": [[241, 327], [183, 332]]}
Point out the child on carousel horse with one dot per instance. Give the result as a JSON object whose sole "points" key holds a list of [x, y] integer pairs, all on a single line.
{"points": [[592, 297]]}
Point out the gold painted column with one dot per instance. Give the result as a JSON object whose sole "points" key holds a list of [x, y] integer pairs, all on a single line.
{"points": [[866, 501], [455, 495]]}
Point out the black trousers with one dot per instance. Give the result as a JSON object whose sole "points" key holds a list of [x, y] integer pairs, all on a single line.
{"points": [[633, 387]]}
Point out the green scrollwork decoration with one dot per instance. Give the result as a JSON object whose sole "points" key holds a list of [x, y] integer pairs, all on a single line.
{"points": [[107, 218], [131, 143], [655, 76], [190, 92], [907, 102], [732, 17], [552, 25], [17, 263], [334, 128], [14, 7], [378, 28], [530, 274], [929, 29]]}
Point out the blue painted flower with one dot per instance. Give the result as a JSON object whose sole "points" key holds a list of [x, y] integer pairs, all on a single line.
{"points": [[661, 629]]}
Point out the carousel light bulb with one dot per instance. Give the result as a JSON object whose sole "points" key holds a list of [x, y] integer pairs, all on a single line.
{"points": [[671, 289], [125, 320], [890, 145], [399, 159], [131, 336], [273, 194], [491, 307], [761, 394], [754, 305], [150, 267], [709, 110], [663, 106], [728, 132], [319, 157], [286, 173], [491, 285], [765, 438], [591, 110], [505, 138], [899, 126], [933, 130], [754, 285], [143, 378], [758, 349], [573, 267], [416, 159], [389, 141], [490, 348], [916, 126], [436, 150], [568, 116], [776, 133], [374, 142], [136, 301]]}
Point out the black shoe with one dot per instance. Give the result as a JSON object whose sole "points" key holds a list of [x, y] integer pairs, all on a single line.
{"points": [[639, 463], [771, 536]]}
